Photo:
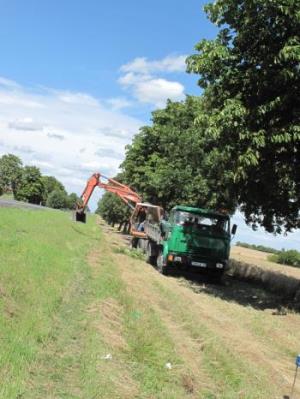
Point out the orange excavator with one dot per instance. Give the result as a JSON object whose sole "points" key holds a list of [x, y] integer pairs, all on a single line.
{"points": [[140, 210]]}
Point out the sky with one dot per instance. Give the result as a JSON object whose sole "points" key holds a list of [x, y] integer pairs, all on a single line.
{"points": [[79, 78]]}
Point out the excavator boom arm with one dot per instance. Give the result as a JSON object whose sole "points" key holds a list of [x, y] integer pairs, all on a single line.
{"points": [[124, 192]]}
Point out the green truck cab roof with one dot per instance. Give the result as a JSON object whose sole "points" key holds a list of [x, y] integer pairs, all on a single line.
{"points": [[199, 211]]}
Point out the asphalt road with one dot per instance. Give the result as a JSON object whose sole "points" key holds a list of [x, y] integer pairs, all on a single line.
{"points": [[10, 203]]}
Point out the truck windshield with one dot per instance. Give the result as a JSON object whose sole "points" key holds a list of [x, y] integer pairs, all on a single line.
{"points": [[212, 223]]}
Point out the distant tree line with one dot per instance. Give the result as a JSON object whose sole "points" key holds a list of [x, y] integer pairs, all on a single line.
{"points": [[26, 183], [284, 257], [237, 145], [261, 248]]}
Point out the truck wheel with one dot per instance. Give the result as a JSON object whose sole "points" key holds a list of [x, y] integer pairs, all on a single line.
{"points": [[150, 258], [161, 263], [218, 278]]}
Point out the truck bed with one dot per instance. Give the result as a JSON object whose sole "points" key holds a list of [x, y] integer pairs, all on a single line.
{"points": [[153, 232]]}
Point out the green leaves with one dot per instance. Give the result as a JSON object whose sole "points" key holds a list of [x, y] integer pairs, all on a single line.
{"points": [[31, 187], [251, 77], [10, 172], [28, 184], [113, 209], [239, 143]]}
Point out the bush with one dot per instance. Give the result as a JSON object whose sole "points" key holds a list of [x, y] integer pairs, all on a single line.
{"points": [[73, 199], [290, 257], [57, 199]]}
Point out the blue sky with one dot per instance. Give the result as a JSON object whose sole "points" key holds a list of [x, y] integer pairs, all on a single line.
{"points": [[78, 79], [80, 46]]}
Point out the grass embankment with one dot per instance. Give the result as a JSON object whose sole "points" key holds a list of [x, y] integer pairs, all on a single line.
{"points": [[42, 256], [80, 319]]}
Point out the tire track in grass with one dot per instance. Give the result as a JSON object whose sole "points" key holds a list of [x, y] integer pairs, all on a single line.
{"points": [[247, 347], [224, 372], [146, 344]]}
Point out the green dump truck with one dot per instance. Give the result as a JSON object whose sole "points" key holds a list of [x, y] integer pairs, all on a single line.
{"points": [[191, 239]]}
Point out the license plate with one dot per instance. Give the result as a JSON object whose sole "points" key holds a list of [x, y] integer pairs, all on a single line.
{"points": [[177, 259], [199, 264]]}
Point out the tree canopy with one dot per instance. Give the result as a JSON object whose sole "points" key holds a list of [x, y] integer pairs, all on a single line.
{"points": [[113, 209], [238, 144], [28, 184], [10, 172], [51, 184], [251, 80], [31, 187], [57, 199], [167, 162]]}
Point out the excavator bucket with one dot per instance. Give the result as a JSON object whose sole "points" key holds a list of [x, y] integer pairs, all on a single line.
{"points": [[80, 217]]}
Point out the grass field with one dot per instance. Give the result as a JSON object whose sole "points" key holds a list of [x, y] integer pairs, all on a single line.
{"points": [[81, 318], [260, 258]]}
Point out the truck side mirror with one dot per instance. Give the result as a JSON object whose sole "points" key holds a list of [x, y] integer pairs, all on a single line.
{"points": [[233, 230]]}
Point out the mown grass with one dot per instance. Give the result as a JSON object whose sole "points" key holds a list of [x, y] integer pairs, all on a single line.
{"points": [[132, 252], [149, 345], [233, 375]]}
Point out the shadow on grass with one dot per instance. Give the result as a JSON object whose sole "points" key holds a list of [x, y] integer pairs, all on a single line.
{"points": [[233, 290]]}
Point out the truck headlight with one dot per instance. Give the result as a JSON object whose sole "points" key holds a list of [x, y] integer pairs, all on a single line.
{"points": [[219, 265]]}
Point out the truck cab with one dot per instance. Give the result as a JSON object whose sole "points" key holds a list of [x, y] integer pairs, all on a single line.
{"points": [[195, 239]]}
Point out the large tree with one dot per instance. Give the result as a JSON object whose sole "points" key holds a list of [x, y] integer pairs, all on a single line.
{"points": [[57, 199], [10, 172], [167, 162], [251, 79], [31, 187], [113, 209]]}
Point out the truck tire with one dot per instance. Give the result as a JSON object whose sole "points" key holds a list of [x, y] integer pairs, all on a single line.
{"points": [[218, 278], [161, 263], [150, 257]]}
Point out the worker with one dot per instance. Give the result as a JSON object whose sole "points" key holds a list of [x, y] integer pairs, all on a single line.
{"points": [[218, 226], [141, 219]]}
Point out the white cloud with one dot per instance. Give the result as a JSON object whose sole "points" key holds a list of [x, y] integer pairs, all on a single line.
{"points": [[25, 124], [157, 91], [118, 103], [141, 65], [77, 98], [68, 135], [147, 89], [141, 77], [8, 83]]}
